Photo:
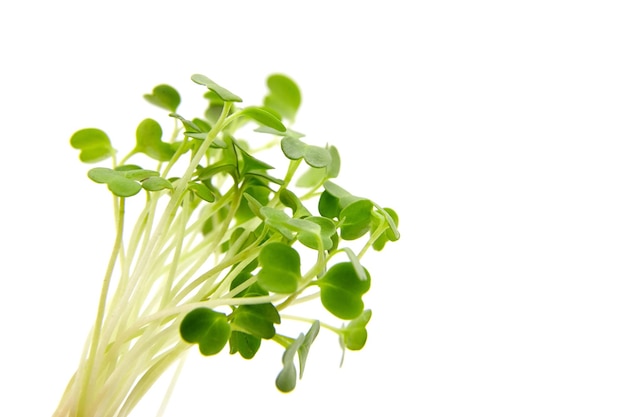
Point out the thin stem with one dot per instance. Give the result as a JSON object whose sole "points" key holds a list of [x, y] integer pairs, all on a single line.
{"points": [[95, 340]]}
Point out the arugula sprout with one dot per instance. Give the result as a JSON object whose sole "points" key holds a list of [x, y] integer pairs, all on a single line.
{"points": [[221, 246]]}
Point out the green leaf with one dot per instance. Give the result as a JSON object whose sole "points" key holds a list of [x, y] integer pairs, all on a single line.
{"points": [[333, 168], [283, 96], [264, 118], [326, 231], [328, 205], [149, 134], [201, 191], [117, 183], [250, 163], [295, 149], [222, 93], [255, 197], [390, 234], [280, 271], [123, 181], [164, 96], [208, 328], [317, 157], [355, 219], [287, 377], [278, 220], [94, 145], [354, 335], [291, 200], [156, 184], [305, 347], [246, 344], [341, 290], [257, 319]]}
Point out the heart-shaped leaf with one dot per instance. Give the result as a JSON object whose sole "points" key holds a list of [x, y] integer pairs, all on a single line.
{"points": [[246, 344], [341, 290], [208, 328], [149, 134], [295, 149], [355, 219], [94, 145], [124, 181], [280, 271], [325, 233], [257, 319], [165, 97]]}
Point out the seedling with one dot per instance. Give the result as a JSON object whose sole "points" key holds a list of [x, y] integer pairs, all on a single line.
{"points": [[223, 248]]}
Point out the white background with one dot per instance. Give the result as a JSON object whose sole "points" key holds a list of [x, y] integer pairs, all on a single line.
{"points": [[496, 130]]}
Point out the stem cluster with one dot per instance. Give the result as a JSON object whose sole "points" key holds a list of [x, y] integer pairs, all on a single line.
{"points": [[214, 257]]}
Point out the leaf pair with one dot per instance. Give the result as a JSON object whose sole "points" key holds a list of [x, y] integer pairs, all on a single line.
{"points": [[288, 376], [315, 156], [94, 145], [354, 213], [342, 288], [128, 180], [211, 330]]}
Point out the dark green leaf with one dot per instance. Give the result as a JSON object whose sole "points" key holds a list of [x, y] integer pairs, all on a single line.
{"points": [[208, 328], [328, 205], [223, 93], [244, 343], [354, 335], [94, 145], [164, 96], [257, 319], [280, 271], [355, 219], [341, 290]]}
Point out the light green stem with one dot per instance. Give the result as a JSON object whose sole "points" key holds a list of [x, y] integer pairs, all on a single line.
{"points": [[88, 377]]}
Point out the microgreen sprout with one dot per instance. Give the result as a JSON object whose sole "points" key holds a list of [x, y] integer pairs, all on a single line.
{"points": [[222, 248]]}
